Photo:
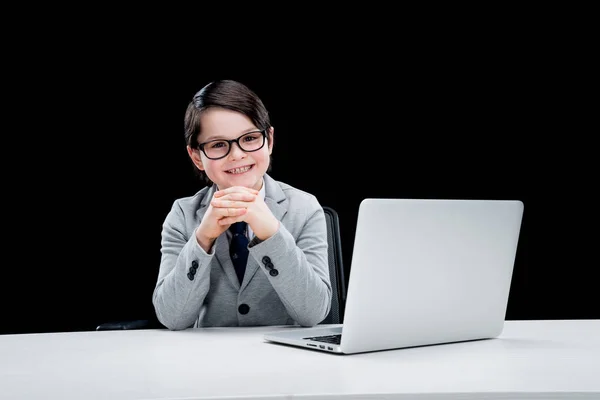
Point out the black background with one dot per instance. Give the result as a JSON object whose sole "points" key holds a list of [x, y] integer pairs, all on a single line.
{"points": [[97, 155]]}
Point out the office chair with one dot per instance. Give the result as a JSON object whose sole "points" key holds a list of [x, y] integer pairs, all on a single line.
{"points": [[336, 268], [336, 273]]}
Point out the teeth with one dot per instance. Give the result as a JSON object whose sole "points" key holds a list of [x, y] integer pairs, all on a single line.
{"points": [[239, 170]]}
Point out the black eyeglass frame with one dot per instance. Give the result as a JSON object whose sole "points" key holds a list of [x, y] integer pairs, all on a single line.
{"points": [[236, 141]]}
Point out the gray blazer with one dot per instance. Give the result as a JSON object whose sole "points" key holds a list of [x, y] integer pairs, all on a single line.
{"points": [[198, 289]]}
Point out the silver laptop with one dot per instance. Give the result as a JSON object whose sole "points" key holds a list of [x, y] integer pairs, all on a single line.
{"points": [[423, 272]]}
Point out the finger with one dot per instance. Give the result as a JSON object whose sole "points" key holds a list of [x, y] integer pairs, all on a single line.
{"points": [[230, 211], [235, 189], [229, 203], [238, 196], [232, 191], [229, 220]]}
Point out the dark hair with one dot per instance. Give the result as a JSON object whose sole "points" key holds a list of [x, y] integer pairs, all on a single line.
{"points": [[226, 94]]}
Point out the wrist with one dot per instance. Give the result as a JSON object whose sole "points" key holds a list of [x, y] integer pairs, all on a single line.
{"points": [[204, 241], [270, 230]]}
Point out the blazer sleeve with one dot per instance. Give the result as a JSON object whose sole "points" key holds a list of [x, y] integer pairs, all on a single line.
{"points": [[184, 275], [302, 280]]}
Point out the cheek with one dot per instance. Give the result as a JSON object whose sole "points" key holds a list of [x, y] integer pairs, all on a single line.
{"points": [[210, 165], [265, 155]]}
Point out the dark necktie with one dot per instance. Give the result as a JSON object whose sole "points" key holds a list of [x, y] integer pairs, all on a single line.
{"points": [[238, 249]]}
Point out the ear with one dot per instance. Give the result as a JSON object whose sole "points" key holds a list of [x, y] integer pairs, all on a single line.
{"points": [[196, 158], [271, 136]]}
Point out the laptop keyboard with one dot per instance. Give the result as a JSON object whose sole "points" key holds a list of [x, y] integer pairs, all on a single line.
{"points": [[332, 339]]}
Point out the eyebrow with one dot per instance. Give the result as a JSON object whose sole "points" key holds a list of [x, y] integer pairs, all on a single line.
{"points": [[211, 138]]}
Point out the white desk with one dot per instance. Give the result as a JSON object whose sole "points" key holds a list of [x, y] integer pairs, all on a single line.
{"points": [[531, 359]]}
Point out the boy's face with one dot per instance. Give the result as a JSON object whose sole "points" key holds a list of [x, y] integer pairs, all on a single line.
{"points": [[238, 168]]}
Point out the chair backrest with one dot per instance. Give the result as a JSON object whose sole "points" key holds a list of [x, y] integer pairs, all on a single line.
{"points": [[336, 268]]}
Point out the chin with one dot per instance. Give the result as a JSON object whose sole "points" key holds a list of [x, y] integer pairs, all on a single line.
{"points": [[245, 181]]}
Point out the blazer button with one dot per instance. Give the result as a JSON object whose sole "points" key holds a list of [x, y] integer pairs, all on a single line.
{"points": [[266, 260], [244, 308], [195, 264], [273, 272], [190, 276]]}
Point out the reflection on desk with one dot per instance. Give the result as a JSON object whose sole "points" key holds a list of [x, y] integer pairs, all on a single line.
{"points": [[531, 359]]}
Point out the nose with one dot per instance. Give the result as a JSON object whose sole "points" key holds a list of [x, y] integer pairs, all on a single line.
{"points": [[236, 151]]}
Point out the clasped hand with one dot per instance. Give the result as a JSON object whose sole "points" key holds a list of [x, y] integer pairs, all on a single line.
{"points": [[236, 204]]}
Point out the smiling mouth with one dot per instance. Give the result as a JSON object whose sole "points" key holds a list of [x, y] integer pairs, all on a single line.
{"points": [[240, 170]]}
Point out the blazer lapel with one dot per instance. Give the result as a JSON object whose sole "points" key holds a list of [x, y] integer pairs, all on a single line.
{"points": [[222, 255], [205, 202], [277, 202]]}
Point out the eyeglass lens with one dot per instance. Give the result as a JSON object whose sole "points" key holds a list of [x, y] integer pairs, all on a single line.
{"points": [[251, 141]]}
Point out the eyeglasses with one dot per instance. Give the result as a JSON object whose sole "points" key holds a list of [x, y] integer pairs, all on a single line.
{"points": [[248, 142]]}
